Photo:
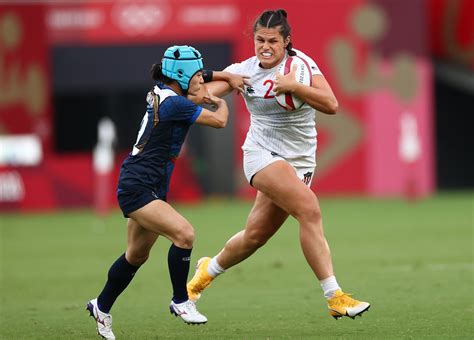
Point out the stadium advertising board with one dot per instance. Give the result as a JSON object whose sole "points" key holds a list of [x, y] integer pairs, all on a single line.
{"points": [[141, 21]]}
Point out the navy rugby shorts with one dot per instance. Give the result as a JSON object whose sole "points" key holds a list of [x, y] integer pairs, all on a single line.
{"points": [[129, 201]]}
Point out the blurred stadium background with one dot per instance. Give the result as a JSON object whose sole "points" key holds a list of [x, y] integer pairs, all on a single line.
{"points": [[403, 72]]}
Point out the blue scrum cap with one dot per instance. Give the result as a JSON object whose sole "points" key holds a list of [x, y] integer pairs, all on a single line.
{"points": [[181, 63]]}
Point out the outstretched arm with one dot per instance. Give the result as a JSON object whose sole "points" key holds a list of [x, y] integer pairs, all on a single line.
{"points": [[319, 95], [221, 83], [216, 119], [234, 81]]}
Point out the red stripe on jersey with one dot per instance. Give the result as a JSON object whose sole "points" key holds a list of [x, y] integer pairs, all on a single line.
{"points": [[288, 97], [288, 65], [289, 101]]}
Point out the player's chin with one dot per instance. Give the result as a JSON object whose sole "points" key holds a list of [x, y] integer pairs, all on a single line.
{"points": [[268, 62], [195, 89], [193, 92]]}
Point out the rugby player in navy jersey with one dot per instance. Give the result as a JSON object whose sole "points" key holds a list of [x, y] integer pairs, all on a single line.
{"points": [[144, 183]]}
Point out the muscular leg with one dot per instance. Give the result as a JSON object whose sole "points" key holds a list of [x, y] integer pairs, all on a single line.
{"points": [[263, 222], [279, 182], [140, 242], [281, 193], [124, 268], [159, 217]]}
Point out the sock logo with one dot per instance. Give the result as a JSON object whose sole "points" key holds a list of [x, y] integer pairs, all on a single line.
{"points": [[186, 259]]}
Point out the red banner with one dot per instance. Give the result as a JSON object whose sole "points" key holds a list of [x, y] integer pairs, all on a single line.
{"points": [[25, 106], [452, 30]]}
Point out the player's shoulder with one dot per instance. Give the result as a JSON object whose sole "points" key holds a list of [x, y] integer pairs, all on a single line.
{"points": [[250, 63], [253, 60], [164, 92], [177, 102], [312, 64], [302, 55], [163, 89], [244, 65], [169, 100], [169, 97]]}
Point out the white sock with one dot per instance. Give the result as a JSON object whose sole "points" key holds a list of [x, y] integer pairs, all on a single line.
{"points": [[213, 268], [329, 286]]}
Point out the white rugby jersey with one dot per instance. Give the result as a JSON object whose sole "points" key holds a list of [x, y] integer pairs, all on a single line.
{"points": [[290, 134]]}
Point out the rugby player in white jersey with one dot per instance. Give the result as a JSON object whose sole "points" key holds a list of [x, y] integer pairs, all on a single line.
{"points": [[279, 160]]}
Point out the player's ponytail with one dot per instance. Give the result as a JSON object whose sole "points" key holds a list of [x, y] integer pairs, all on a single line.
{"points": [[157, 74], [289, 48], [277, 18]]}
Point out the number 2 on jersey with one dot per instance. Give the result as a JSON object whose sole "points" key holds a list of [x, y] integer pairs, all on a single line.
{"points": [[267, 94]]}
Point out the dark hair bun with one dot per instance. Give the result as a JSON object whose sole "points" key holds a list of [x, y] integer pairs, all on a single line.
{"points": [[282, 12], [155, 71]]}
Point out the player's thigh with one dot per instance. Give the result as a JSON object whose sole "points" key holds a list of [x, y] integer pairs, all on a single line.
{"points": [[139, 242], [279, 182], [265, 218], [161, 218]]}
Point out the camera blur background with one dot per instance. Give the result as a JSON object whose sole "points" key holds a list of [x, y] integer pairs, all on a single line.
{"points": [[73, 80], [402, 71]]}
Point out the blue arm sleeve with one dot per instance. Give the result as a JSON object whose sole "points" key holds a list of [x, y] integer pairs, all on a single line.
{"points": [[179, 108], [196, 114]]}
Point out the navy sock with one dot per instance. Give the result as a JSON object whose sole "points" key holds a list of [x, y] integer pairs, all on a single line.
{"points": [[178, 266], [120, 275]]}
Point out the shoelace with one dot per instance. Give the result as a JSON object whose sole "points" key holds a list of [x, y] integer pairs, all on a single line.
{"points": [[345, 300], [106, 319], [191, 307], [201, 284]]}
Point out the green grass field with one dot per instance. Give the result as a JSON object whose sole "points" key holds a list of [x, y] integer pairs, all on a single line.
{"points": [[412, 261]]}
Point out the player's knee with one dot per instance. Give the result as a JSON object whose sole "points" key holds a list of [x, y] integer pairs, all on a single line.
{"points": [[137, 257], [184, 237], [308, 211], [255, 239]]}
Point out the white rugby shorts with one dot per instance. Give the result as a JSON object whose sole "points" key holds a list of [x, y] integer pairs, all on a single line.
{"points": [[256, 159]]}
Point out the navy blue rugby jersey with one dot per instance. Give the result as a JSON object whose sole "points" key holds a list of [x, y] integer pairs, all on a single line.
{"points": [[162, 132]]}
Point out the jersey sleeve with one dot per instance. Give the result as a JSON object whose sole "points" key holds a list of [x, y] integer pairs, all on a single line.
{"points": [[314, 68], [234, 68], [178, 108]]}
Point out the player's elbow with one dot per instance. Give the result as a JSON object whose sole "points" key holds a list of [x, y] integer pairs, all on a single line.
{"points": [[218, 122], [332, 106], [221, 123], [221, 118]]}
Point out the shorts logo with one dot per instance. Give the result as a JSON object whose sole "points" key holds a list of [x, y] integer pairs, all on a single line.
{"points": [[307, 177], [273, 154]]}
